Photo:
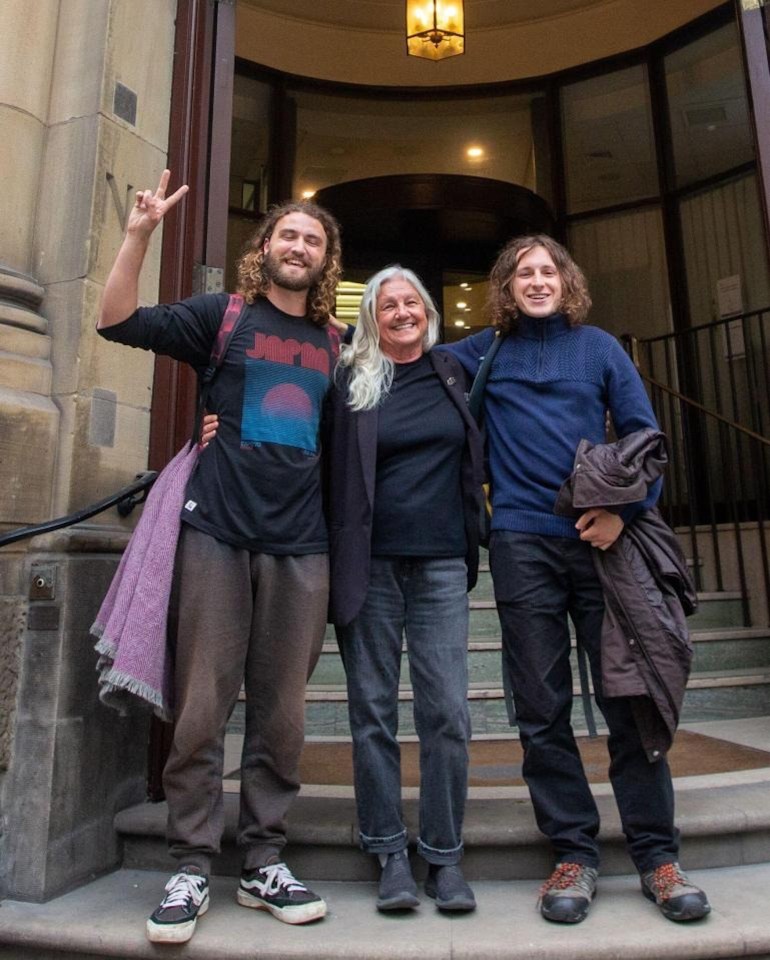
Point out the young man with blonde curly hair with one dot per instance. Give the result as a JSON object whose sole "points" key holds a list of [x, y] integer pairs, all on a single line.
{"points": [[251, 576]]}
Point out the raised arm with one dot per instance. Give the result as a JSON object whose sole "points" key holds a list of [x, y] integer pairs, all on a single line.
{"points": [[121, 292]]}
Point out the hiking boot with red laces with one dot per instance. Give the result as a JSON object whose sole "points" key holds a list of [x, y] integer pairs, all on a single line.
{"points": [[566, 895], [678, 898]]}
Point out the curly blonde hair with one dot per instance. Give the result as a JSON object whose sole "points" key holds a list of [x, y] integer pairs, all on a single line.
{"points": [[253, 282], [501, 306]]}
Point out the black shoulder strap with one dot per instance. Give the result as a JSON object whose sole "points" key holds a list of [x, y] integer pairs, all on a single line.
{"points": [[476, 396], [229, 322]]}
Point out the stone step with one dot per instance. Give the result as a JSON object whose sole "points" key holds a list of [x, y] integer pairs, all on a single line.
{"points": [[721, 825], [746, 648], [105, 919], [715, 610], [711, 695]]}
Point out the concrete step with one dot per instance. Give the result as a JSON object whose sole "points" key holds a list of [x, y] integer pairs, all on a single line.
{"points": [[728, 649], [721, 825], [106, 919], [711, 695], [715, 610]]}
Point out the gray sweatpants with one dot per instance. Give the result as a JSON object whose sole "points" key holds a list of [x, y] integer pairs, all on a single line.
{"points": [[236, 617]]}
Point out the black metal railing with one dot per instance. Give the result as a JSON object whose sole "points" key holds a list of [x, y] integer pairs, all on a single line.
{"points": [[125, 500], [724, 365], [717, 492]]}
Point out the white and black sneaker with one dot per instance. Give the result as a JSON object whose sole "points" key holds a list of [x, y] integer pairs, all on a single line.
{"points": [[273, 888], [187, 898]]}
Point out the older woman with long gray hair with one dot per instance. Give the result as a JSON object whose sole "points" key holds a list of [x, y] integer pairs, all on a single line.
{"points": [[405, 467]]}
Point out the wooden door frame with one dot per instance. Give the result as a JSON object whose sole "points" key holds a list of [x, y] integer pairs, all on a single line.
{"points": [[195, 232], [753, 19]]}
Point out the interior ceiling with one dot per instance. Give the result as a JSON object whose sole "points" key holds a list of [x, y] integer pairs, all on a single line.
{"points": [[389, 14]]}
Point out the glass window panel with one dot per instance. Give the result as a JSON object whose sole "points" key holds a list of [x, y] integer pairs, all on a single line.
{"points": [[344, 138], [465, 296], [623, 257], [609, 153], [723, 239], [248, 166], [710, 125], [250, 140], [723, 236]]}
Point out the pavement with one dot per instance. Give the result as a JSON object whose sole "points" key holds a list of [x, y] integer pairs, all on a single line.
{"points": [[106, 918]]}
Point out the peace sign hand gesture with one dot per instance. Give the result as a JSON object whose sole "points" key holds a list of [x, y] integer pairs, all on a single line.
{"points": [[150, 208]]}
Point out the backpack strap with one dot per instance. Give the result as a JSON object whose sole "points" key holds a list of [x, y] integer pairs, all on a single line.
{"points": [[476, 395], [227, 327], [229, 322]]}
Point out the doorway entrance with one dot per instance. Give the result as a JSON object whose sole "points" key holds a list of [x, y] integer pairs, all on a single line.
{"points": [[447, 228]]}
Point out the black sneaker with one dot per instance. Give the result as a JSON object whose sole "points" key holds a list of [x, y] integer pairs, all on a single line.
{"points": [[677, 897], [446, 885], [397, 890], [273, 888], [566, 895], [187, 898]]}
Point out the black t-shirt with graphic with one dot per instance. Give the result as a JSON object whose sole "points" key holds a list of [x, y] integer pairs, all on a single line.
{"points": [[258, 484]]}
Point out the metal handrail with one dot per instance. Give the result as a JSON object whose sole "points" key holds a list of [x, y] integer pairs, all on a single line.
{"points": [[125, 500], [710, 323], [699, 406], [725, 364], [709, 493]]}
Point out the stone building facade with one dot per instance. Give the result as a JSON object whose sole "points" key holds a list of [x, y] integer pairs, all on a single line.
{"points": [[87, 117], [84, 113]]}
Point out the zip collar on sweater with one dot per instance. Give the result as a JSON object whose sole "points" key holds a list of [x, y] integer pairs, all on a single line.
{"points": [[532, 328]]}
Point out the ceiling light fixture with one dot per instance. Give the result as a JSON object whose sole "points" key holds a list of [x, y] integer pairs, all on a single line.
{"points": [[475, 153], [307, 194], [435, 28]]}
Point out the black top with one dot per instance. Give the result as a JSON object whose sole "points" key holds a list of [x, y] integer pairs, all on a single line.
{"points": [[258, 485], [418, 508], [351, 463]]}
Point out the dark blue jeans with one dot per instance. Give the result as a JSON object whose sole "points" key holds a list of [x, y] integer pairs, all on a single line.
{"points": [[538, 582], [426, 601]]}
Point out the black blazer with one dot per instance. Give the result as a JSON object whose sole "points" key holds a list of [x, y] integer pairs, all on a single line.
{"points": [[351, 468]]}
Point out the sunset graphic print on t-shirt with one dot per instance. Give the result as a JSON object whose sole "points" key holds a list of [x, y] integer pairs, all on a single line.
{"points": [[284, 387]]}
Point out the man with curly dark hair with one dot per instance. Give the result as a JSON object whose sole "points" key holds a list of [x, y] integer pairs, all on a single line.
{"points": [[551, 384], [251, 577]]}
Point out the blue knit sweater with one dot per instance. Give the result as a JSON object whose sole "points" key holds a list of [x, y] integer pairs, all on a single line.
{"points": [[550, 387]]}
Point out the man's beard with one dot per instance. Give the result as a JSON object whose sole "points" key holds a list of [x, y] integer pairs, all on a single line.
{"points": [[280, 275]]}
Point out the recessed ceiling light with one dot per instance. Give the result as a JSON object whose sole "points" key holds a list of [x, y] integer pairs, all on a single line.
{"points": [[459, 323], [464, 286], [475, 152], [307, 194], [466, 327], [461, 304]]}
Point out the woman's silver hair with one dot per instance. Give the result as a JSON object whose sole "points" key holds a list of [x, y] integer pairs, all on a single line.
{"points": [[371, 372]]}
